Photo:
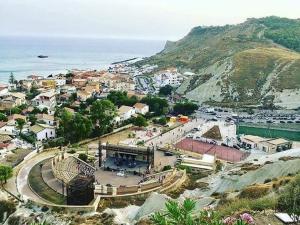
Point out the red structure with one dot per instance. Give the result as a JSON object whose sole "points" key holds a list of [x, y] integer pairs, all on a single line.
{"points": [[221, 152]]}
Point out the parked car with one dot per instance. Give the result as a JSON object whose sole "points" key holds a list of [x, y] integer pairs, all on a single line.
{"points": [[121, 173]]}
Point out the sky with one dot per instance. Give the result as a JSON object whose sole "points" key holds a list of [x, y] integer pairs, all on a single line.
{"points": [[141, 19]]}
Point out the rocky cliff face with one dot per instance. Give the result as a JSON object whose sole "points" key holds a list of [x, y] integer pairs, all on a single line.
{"points": [[244, 64]]}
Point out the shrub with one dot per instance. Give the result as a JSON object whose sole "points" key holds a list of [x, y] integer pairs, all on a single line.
{"points": [[30, 138], [267, 181], [6, 206], [83, 157], [255, 191], [289, 200], [168, 167], [54, 142], [140, 143], [242, 205], [263, 204], [187, 168], [72, 151], [219, 165]]}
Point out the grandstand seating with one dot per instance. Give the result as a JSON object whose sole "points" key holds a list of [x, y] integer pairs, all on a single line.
{"points": [[66, 169]]}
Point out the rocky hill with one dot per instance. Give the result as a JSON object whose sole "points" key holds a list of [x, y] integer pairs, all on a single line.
{"points": [[253, 63]]}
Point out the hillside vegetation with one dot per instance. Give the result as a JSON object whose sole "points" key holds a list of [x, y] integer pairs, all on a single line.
{"points": [[245, 63]]}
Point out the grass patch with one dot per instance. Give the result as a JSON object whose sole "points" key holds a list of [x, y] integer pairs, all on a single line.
{"points": [[16, 157], [189, 184], [37, 183], [256, 191], [237, 206], [213, 133], [120, 202]]}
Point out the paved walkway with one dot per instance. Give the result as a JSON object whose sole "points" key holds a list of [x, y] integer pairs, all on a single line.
{"points": [[173, 136], [20, 181]]}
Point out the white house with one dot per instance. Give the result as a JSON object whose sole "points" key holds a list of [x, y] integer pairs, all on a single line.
{"points": [[19, 98], [45, 100], [141, 108], [3, 89], [168, 77], [125, 113], [8, 128], [60, 81], [47, 119], [68, 89], [43, 131]]}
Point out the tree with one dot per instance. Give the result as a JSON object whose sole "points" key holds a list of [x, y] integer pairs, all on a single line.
{"points": [[185, 108], [20, 124], [45, 110], [3, 117], [65, 125], [81, 126], [157, 105], [73, 97], [23, 106], [83, 157], [160, 121], [12, 79], [5, 173], [140, 121], [33, 92], [15, 110], [74, 128], [32, 119], [166, 90], [102, 114], [289, 200], [119, 98]]}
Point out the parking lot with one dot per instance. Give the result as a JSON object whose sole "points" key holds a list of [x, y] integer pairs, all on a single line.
{"points": [[262, 116]]}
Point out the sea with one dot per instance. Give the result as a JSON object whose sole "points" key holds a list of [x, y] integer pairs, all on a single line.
{"points": [[19, 54]]}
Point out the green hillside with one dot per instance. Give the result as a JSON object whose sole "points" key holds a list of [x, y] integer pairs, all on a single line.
{"points": [[242, 63]]}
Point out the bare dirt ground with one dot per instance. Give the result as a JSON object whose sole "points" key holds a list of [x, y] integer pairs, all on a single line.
{"points": [[264, 219]]}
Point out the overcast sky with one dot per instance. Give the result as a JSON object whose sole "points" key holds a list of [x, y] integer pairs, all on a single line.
{"points": [[151, 19]]}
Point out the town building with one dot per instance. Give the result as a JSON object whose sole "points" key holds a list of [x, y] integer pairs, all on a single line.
{"points": [[45, 100], [269, 145], [8, 128], [47, 119], [83, 95], [275, 145], [168, 77], [251, 141], [124, 113], [141, 108], [206, 164], [43, 132], [3, 89]]}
